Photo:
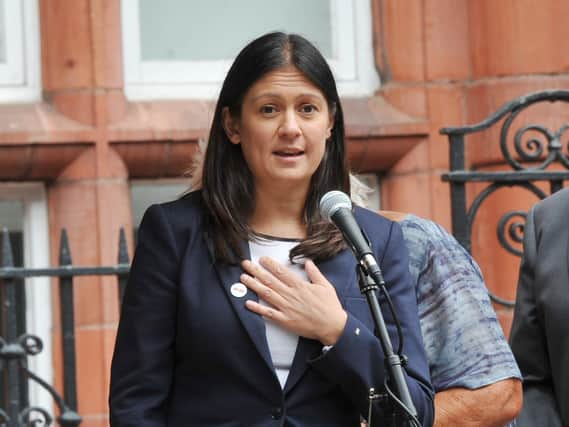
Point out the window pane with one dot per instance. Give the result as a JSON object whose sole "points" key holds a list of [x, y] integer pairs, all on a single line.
{"points": [[11, 215], [2, 32], [145, 193], [193, 30]]}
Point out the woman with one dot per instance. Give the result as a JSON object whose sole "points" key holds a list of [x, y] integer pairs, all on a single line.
{"points": [[242, 307]]}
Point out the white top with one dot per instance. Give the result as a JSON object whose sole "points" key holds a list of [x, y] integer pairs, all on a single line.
{"points": [[282, 343]]}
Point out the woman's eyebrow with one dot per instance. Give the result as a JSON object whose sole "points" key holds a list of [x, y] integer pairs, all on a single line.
{"points": [[277, 95], [266, 95]]}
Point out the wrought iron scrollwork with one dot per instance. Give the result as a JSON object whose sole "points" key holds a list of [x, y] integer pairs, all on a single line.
{"points": [[31, 345], [533, 149], [534, 155], [29, 417], [68, 417], [533, 145], [515, 231]]}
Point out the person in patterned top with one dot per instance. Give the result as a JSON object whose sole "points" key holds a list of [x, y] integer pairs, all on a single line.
{"points": [[473, 371], [475, 376]]}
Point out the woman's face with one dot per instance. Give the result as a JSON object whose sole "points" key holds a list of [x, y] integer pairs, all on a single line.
{"points": [[284, 124]]}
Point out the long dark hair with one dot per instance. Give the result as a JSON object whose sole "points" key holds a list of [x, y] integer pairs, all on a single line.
{"points": [[228, 187]]}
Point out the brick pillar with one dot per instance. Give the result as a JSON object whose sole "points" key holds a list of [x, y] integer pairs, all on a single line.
{"points": [[92, 209], [420, 63], [82, 79], [82, 59]]}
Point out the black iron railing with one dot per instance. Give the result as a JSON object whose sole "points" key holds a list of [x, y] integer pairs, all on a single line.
{"points": [[541, 157], [15, 347]]}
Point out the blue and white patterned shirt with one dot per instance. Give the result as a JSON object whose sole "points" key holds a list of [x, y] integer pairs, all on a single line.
{"points": [[464, 342]]}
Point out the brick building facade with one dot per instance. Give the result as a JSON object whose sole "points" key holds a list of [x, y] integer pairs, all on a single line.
{"points": [[83, 140]]}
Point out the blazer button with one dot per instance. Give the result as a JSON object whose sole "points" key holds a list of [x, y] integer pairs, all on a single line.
{"points": [[276, 413]]}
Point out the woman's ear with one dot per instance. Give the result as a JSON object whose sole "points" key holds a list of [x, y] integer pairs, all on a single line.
{"points": [[230, 126], [331, 121]]}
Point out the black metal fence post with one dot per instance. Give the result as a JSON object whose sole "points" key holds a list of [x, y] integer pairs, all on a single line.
{"points": [[458, 193], [15, 349], [69, 416], [123, 260], [10, 351]]}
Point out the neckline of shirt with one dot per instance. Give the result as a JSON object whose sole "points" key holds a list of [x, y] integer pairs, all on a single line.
{"points": [[277, 238]]}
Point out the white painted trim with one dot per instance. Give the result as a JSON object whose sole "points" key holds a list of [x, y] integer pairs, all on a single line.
{"points": [[352, 59], [12, 71], [20, 76], [38, 290], [367, 79]]}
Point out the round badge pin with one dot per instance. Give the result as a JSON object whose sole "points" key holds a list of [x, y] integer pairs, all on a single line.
{"points": [[238, 290]]}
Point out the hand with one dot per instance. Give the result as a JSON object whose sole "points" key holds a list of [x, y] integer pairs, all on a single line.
{"points": [[309, 309]]}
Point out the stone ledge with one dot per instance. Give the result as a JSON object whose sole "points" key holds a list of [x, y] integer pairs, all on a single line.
{"points": [[378, 134], [158, 138]]}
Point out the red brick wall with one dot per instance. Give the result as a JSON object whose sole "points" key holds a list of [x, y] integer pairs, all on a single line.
{"points": [[442, 62]]}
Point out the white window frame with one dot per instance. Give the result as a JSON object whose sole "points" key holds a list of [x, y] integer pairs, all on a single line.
{"points": [[352, 63], [20, 74], [38, 289]]}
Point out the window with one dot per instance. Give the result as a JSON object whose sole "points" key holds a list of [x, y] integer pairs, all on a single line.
{"points": [[144, 193], [183, 48], [19, 51], [23, 211]]}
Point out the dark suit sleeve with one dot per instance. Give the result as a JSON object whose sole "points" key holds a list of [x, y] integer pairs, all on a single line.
{"points": [[356, 362], [141, 372], [528, 341]]}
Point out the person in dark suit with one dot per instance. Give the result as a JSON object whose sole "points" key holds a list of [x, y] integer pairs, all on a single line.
{"points": [[242, 306], [540, 330]]}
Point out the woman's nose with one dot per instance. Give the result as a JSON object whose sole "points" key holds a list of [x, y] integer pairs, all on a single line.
{"points": [[290, 127]]}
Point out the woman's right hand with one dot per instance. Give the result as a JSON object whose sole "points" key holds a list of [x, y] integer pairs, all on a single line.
{"points": [[308, 308]]}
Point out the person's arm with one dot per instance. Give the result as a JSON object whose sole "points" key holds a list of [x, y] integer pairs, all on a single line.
{"points": [[491, 406], [472, 368], [142, 366], [528, 340]]}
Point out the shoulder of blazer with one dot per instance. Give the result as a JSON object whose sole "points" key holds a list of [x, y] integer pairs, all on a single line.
{"points": [[553, 210], [189, 207], [373, 219], [185, 216], [377, 227]]}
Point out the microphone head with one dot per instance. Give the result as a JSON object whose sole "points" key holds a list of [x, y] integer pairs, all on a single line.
{"points": [[332, 201]]}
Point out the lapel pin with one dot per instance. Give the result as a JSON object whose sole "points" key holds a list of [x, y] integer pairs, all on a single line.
{"points": [[238, 290]]}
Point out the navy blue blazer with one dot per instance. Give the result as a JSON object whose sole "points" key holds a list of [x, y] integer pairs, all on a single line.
{"points": [[189, 353]]}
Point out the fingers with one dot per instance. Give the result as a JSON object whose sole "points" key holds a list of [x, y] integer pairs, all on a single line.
{"points": [[283, 274], [262, 275], [267, 312], [272, 282], [313, 273], [263, 290]]}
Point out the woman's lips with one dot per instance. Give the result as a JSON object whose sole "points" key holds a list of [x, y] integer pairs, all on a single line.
{"points": [[288, 153]]}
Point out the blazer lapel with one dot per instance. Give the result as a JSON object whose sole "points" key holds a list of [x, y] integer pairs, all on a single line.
{"points": [[253, 323], [340, 272]]}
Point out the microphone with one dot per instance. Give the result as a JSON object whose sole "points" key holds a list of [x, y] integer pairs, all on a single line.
{"points": [[336, 206]]}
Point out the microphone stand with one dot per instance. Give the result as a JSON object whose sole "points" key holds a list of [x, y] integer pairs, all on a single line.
{"points": [[370, 280]]}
